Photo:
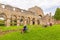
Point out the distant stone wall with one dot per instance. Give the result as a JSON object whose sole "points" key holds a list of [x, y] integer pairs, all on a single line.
{"points": [[57, 22]]}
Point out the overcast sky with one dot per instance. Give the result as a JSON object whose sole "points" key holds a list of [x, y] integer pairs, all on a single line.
{"points": [[46, 5]]}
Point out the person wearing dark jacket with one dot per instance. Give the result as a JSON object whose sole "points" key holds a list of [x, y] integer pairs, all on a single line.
{"points": [[24, 29]]}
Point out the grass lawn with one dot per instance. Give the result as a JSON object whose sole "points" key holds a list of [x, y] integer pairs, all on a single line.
{"points": [[35, 32]]}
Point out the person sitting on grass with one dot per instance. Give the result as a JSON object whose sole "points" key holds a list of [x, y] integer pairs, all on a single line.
{"points": [[24, 30]]}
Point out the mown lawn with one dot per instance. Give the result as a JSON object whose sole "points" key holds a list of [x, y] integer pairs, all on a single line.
{"points": [[35, 32]]}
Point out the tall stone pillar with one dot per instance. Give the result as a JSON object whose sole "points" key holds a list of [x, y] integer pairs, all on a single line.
{"points": [[31, 21], [25, 21], [5, 22], [18, 21], [50, 18], [36, 22], [41, 22], [28, 21], [8, 22]]}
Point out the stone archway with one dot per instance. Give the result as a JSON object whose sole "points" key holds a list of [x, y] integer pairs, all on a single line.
{"points": [[22, 20], [33, 21], [28, 20], [14, 20], [2, 19]]}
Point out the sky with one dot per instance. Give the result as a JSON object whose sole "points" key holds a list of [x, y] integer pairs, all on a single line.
{"points": [[46, 5]]}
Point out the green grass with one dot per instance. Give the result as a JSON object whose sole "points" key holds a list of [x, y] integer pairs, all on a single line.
{"points": [[35, 32]]}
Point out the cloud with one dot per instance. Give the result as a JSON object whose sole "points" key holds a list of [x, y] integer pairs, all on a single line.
{"points": [[46, 5]]}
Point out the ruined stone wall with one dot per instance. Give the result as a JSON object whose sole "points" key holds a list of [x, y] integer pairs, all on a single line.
{"points": [[37, 10], [15, 14]]}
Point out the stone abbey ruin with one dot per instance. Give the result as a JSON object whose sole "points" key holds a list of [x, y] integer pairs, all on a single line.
{"points": [[16, 16]]}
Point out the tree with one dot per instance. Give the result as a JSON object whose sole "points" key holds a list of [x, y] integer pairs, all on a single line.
{"points": [[57, 14]]}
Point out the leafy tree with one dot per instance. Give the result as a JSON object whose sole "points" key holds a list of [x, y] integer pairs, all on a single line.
{"points": [[57, 14]]}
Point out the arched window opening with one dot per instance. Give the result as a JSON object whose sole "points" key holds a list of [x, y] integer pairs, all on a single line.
{"points": [[2, 19], [40, 16], [14, 20]]}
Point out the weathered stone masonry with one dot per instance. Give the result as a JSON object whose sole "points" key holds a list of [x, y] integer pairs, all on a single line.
{"points": [[16, 16]]}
